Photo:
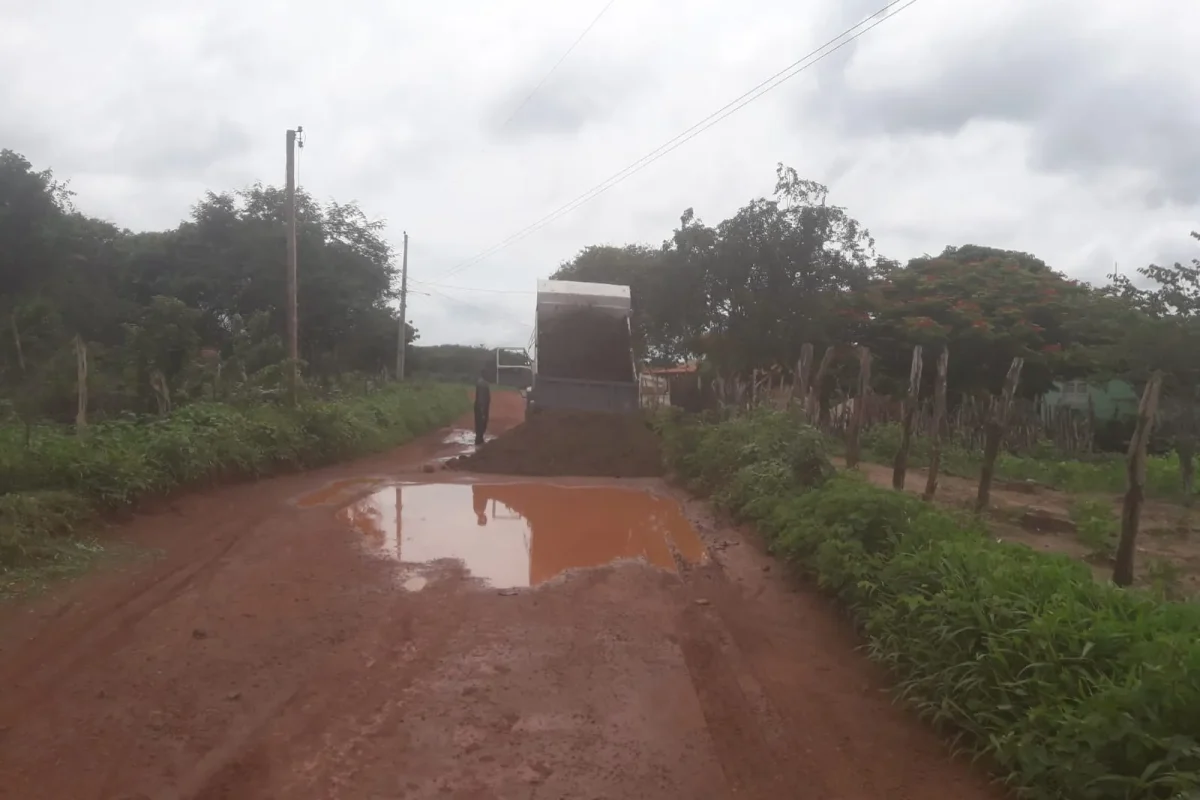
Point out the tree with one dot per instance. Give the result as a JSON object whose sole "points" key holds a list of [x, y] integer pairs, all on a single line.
{"points": [[1160, 332], [988, 305], [149, 304]]}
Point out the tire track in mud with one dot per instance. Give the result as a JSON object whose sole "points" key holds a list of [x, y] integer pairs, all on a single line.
{"points": [[754, 743], [41, 669], [298, 731]]}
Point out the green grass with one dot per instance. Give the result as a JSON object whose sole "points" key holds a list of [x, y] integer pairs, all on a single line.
{"points": [[54, 488], [1102, 473], [1069, 688]]}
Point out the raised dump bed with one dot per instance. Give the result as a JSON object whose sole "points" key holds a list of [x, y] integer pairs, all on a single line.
{"points": [[584, 348]]}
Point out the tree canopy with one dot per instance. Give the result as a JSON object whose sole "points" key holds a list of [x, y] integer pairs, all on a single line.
{"points": [[782, 271], [174, 303]]}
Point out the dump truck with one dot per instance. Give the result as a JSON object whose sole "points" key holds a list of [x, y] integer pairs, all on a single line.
{"points": [[583, 349]]}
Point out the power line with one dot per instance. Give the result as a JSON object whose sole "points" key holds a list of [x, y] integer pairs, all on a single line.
{"points": [[484, 310], [730, 108], [472, 288], [557, 64]]}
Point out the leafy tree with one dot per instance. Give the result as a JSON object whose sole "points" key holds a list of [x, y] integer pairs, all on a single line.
{"points": [[988, 305], [185, 305], [1160, 331], [748, 292]]}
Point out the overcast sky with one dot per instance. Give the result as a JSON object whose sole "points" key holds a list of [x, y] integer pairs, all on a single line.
{"points": [[1066, 128]]}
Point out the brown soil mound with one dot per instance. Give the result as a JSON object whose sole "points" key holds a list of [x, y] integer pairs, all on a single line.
{"points": [[585, 345], [571, 443]]}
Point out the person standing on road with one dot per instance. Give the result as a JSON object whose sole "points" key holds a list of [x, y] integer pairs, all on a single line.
{"points": [[483, 405]]}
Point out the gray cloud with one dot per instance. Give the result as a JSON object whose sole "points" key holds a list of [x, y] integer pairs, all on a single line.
{"points": [[586, 92], [1085, 110], [1059, 128]]}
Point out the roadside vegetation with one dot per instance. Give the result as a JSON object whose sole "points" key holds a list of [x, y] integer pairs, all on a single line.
{"points": [[59, 483], [1099, 473], [133, 364], [1069, 688]]}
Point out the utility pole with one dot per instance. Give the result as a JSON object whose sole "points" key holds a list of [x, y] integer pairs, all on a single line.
{"points": [[292, 323], [402, 345]]}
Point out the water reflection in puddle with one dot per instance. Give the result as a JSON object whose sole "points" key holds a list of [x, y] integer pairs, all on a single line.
{"points": [[519, 535], [464, 438]]}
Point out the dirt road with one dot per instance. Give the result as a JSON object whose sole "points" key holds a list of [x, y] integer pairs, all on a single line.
{"points": [[376, 631]]}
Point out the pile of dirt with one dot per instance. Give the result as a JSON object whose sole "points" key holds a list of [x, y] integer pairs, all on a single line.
{"points": [[571, 443], [585, 345]]}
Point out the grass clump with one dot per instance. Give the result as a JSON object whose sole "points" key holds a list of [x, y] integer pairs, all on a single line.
{"points": [[1070, 688], [55, 481]]}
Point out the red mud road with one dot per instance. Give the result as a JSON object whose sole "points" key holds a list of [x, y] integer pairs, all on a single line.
{"points": [[279, 648]]}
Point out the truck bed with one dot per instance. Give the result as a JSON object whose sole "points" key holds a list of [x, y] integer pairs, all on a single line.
{"points": [[584, 349], [585, 345]]}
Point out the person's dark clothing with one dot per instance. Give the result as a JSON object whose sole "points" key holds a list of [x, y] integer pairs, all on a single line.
{"points": [[483, 405]]}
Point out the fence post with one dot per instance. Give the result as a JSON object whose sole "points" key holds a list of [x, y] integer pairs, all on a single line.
{"points": [[818, 383], [803, 372], [939, 412], [860, 405], [1135, 479], [81, 376], [996, 424], [900, 465]]}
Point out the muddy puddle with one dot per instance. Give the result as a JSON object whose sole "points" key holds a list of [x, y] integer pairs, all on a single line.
{"points": [[522, 535]]}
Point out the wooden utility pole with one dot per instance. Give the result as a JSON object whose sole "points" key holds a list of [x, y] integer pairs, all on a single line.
{"points": [[935, 433], [1135, 480], [900, 464], [293, 326], [994, 436], [402, 344]]}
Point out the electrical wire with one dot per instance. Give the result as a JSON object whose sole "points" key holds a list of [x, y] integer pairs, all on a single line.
{"points": [[557, 64], [730, 108], [506, 315], [471, 288]]}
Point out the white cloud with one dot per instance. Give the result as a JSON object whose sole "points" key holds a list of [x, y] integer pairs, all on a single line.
{"points": [[1068, 129]]}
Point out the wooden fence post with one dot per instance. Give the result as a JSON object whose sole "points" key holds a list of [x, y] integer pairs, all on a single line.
{"points": [[81, 374], [996, 424], [935, 433], [803, 373], [818, 383], [860, 405], [1135, 479], [900, 465]]}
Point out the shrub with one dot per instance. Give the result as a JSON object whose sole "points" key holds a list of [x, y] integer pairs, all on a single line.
{"points": [[1070, 688]]}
